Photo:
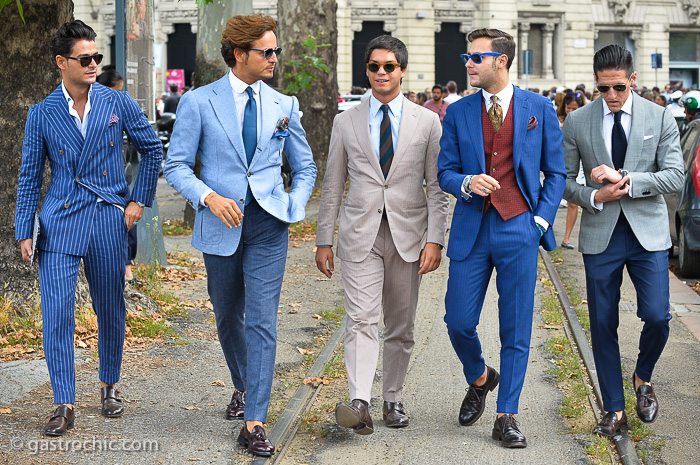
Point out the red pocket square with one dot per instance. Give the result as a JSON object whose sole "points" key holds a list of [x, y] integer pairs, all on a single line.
{"points": [[531, 123]]}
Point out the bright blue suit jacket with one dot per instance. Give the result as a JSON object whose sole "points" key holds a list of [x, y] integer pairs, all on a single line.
{"points": [[537, 149], [207, 125], [81, 170]]}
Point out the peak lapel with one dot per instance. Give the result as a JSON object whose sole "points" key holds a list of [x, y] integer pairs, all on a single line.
{"points": [[56, 113], [360, 123], [225, 108], [472, 115], [521, 115], [101, 107]]}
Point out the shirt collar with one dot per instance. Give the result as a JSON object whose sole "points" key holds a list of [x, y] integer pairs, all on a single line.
{"points": [[626, 107], [504, 95], [395, 105], [69, 99], [239, 86]]}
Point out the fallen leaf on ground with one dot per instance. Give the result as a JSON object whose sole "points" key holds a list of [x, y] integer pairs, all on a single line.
{"points": [[304, 351], [191, 407], [5, 410], [217, 382], [317, 316]]}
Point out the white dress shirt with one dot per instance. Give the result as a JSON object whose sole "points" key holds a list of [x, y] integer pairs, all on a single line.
{"points": [[376, 116], [82, 124]]}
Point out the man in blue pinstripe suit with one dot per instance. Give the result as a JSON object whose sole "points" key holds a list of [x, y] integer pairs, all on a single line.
{"points": [[86, 212]]}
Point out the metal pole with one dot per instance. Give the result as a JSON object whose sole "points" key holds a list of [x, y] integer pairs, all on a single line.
{"points": [[120, 38]]}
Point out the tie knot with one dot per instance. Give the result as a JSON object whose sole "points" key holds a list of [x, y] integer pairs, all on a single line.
{"points": [[494, 99], [385, 109], [249, 91], [617, 115]]}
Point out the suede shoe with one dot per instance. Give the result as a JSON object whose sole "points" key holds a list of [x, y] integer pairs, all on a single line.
{"points": [[354, 415], [505, 429], [256, 441], [112, 402], [474, 402], [647, 405], [394, 415], [236, 408], [62, 420], [610, 425]]}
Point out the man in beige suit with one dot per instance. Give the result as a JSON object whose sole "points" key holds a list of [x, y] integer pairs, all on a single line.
{"points": [[391, 229]]}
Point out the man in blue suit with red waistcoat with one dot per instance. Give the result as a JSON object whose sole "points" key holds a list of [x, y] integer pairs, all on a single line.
{"points": [[494, 145]]}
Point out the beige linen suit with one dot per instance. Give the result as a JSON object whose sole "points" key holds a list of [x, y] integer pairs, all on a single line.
{"points": [[384, 225]]}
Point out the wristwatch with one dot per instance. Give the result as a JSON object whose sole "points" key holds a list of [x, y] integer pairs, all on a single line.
{"points": [[623, 172], [140, 204]]}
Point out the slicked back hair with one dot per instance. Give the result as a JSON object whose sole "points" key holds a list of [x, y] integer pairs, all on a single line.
{"points": [[613, 57], [501, 42], [64, 39], [392, 44], [241, 31]]}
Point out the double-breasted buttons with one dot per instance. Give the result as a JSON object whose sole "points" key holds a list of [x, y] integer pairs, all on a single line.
{"points": [[66, 205], [60, 152], [104, 173], [111, 143], [77, 179]]}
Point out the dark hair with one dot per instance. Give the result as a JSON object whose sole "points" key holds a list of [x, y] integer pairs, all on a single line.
{"points": [[66, 36], [572, 97], [110, 78], [452, 87], [501, 42], [662, 98], [437, 86], [392, 44], [613, 57], [174, 87], [241, 31]]}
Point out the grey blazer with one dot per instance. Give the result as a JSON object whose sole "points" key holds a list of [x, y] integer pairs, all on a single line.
{"points": [[655, 164]]}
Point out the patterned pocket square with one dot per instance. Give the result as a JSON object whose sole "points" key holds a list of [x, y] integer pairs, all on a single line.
{"points": [[531, 123], [113, 120]]}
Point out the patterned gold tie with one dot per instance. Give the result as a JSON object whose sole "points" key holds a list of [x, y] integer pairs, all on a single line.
{"points": [[496, 113]]}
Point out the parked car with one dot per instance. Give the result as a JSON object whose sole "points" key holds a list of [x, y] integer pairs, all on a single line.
{"points": [[684, 207], [346, 102]]}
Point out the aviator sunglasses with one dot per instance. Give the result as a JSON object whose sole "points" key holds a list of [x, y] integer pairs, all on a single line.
{"points": [[389, 67], [618, 87], [267, 53], [85, 61], [477, 57]]}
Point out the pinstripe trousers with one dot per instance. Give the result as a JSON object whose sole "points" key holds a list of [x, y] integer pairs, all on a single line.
{"points": [[382, 279], [104, 269], [511, 248]]}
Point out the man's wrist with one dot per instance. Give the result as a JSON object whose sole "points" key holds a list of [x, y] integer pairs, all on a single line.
{"points": [[140, 204]]}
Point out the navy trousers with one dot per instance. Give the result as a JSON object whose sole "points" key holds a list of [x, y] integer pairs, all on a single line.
{"points": [[649, 274], [511, 248], [244, 289], [104, 269]]}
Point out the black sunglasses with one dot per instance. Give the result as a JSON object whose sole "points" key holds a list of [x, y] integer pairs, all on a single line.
{"points": [[617, 87], [477, 57], [85, 61], [389, 67], [267, 53]]}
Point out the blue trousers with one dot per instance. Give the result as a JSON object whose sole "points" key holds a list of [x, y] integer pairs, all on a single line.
{"points": [[511, 248], [244, 289], [104, 269], [649, 274]]}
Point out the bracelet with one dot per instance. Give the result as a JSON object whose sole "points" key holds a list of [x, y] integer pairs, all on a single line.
{"points": [[209, 197]]}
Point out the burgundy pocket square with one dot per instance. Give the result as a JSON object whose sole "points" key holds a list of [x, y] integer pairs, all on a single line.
{"points": [[531, 123]]}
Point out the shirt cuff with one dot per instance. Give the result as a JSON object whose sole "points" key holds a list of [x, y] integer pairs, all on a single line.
{"points": [[629, 192], [466, 193], [542, 222], [597, 205], [204, 197]]}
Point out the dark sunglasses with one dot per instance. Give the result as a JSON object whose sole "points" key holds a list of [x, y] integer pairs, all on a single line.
{"points": [[267, 53], [85, 61], [477, 57], [617, 87], [389, 67]]}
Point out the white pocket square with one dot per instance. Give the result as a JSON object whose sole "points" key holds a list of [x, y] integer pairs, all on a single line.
{"points": [[648, 137]]}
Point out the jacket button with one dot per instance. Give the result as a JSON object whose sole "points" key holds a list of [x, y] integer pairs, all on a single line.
{"points": [[249, 174], [386, 186], [495, 153], [494, 170], [242, 201], [60, 152], [104, 173], [111, 143], [77, 179], [66, 205], [379, 211], [478, 209]]}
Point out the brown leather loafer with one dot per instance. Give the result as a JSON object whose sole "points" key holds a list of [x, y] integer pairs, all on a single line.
{"points": [[61, 421], [647, 405], [256, 441], [236, 408], [394, 415], [610, 425], [354, 415], [474, 402], [112, 403], [505, 429]]}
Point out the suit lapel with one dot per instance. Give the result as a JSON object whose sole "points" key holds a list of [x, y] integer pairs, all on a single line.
{"points": [[101, 106], [225, 108], [472, 115], [360, 123], [600, 151], [408, 128], [521, 111], [270, 104], [636, 138], [56, 112]]}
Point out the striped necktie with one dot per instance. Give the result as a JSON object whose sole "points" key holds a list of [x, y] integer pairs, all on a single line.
{"points": [[386, 144], [496, 114]]}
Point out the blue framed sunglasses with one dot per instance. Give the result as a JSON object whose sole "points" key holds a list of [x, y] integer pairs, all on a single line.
{"points": [[477, 57]]}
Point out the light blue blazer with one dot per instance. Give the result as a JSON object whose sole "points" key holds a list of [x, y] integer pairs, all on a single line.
{"points": [[207, 125], [81, 170]]}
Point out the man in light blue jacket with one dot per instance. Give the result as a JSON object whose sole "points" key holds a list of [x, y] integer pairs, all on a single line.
{"points": [[239, 127]]}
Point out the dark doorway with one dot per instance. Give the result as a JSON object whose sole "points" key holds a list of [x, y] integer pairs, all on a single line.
{"points": [[181, 50], [370, 30], [449, 44]]}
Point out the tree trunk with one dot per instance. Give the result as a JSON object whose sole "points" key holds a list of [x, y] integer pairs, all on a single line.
{"points": [[297, 20], [28, 74]]}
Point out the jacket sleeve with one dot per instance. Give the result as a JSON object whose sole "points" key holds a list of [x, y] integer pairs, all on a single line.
{"points": [[31, 175]]}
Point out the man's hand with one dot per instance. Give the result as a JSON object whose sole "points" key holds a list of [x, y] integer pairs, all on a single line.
{"points": [[430, 257], [324, 260], [132, 214], [604, 173], [613, 191], [483, 185], [225, 209], [26, 246]]}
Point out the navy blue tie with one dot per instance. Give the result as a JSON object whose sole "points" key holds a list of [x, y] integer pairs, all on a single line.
{"points": [[619, 142], [250, 133]]}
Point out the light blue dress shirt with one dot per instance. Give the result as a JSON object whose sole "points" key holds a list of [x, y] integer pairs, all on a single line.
{"points": [[376, 116]]}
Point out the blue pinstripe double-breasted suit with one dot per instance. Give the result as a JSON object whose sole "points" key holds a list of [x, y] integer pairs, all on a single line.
{"points": [[82, 217]]}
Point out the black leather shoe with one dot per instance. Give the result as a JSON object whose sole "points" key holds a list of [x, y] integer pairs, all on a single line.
{"points": [[505, 429], [112, 403], [394, 415], [236, 408], [610, 425], [647, 405], [256, 441], [354, 415], [61, 421], [474, 402]]}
